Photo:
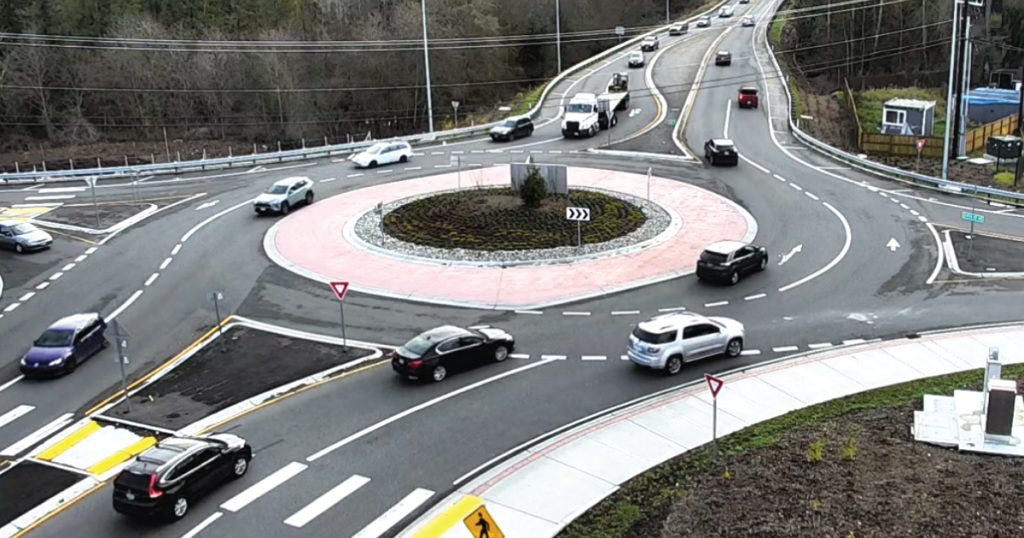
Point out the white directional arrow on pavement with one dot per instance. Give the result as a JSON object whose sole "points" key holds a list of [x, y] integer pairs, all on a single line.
{"points": [[207, 205], [893, 244], [785, 257]]}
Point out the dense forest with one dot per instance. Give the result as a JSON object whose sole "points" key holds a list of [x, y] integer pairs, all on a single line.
{"points": [[81, 71]]}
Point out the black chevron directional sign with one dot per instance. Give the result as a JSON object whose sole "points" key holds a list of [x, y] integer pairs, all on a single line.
{"points": [[578, 213]]}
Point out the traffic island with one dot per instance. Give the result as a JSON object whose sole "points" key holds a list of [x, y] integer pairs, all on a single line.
{"points": [[29, 484], [242, 365], [99, 217], [984, 255]]}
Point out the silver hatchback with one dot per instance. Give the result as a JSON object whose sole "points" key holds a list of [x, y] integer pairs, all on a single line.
{"points": [[666, 342]]}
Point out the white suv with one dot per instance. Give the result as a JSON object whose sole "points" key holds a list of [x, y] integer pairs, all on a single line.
{"points": [[666, 342], [283, 195], [393, 151]]}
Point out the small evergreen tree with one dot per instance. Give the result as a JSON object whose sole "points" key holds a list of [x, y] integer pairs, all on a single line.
{"points": [[534, 189]]}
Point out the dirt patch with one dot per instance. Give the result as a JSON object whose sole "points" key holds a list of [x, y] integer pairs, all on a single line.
{"points": [[989, 254], [28, 484], [872, 479], [85, 215], [241, 364]]}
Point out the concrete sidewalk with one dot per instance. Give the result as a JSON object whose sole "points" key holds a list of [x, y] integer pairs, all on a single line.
{"points": [[539, 491]]}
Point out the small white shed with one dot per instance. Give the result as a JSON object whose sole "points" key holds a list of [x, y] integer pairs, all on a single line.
{"points": [[911, 117]]}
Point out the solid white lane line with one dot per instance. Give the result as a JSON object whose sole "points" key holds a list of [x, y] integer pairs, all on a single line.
{"points": [[822, 345], [62, 190], [355, 175], [672, 309], [795, 186], [176, 249], [750, 352], [263, 487], [202, 525], [11, 307], [152, 278], [27, 296], [37, 436], [68, 267], [212, 218], [785, 349], [519, 355], [835, 261], [625, 312], [778, 177], [594, 358], [90, 250], [326, 501], [719, 303], [854, 342], [755, 165], [570, 313], [43, 285], [11, 383], [553, 357], [728, 111], [51, 197], [812, 196], [529, 312], [15, 414], [395, 514], [167, 261], [755, 297], [81, 258], [429, 403], [124, 306], [940, 259]]}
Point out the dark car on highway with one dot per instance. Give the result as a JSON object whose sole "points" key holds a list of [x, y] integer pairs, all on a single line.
{"points": [[435, 353], [721, 151], [512, 128], [164, 481], [64, 345], [728, 261], [723, 57]]}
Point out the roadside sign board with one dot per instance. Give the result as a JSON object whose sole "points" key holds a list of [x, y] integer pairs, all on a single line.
{"points": [[482, 525], [215, 296], [714, 383], [339, 289], [578, 213], [620, 30], [972, 217]]}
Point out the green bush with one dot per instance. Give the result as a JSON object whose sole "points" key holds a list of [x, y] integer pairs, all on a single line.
{"points": [[534, 189], [1004, 179]]}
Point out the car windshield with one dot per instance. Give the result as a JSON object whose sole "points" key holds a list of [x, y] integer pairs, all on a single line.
{"points": [[713, 257], [579, 108], [55, 338], [508, 123], [375, 149], [277, 189], [654, 338], [417, 346], [23, 228]]}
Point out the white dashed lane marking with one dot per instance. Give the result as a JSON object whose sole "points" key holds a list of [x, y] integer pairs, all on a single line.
{"points": [[754, 297], [778, 177], [712, 305], [519, 355], [11, 307], [672, 309], [854, 342], [176, 249], [822, 345], [552, 357], [570, 313], [625, 312], [795, 186], [68, 267], [593, 357], [81, 258], [812, 196], [166, 262], [27, 296], [529, 312], [749, 352], [785, 349], [355, 175], [43, 286], [55, 276]]}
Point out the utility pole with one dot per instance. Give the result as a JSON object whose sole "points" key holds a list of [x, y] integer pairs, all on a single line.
{"points": [[1020, 130], [965, 87], [558, 33], [668, 16], [426, 63], [950, 102]]}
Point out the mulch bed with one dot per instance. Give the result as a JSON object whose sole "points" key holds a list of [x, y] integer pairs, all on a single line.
{"points": [[496, 219], [872, 480]]}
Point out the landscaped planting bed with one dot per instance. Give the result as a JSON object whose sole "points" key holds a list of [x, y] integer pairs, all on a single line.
{"points": [[496, 219]]}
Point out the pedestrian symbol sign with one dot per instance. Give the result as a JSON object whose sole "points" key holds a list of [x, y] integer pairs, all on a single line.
{"points": [[482, 525]]}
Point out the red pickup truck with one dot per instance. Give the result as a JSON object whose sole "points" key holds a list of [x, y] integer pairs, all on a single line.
{"points": [[748, 97]]}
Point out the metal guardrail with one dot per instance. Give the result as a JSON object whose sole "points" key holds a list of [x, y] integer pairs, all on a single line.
{"points": [[1009, 197]]}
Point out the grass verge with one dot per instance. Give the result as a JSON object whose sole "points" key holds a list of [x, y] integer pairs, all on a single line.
{"points": [[1004, 179], [775, 32], [528, 100], [869, 105], [648, 496]]}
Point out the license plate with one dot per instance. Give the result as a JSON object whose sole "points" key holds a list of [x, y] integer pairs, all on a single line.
{"points": [[401, 361], [130, 496]]}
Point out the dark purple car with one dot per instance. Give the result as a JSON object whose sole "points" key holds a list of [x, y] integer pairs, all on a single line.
{"points": [[67, 342]]}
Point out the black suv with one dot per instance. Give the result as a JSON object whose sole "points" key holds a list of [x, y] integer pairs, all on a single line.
{"points": [[723, 57], [721, 151], [164, 480], [727, 261], [512, 128]]}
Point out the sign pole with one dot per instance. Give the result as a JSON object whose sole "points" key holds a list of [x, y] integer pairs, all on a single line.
{"points": [[970, 242], [714, 429], [344, 340], [121, 344], [579, 234], [95, 207], [340, 288], [648, 184]]}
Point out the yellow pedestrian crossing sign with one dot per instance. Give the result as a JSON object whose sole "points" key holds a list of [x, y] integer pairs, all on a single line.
{"points": [[482, 525]]}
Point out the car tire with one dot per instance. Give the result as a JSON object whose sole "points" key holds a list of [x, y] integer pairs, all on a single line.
{"points": [[439, 373], [734, 348], [614, 121], [285, 208], [764, 264], [500, 354], [734, 278], [403, 159], [673, 365], [309, 198], [18, 248], [179, 508], [373, 164], [71, 365], [239, 467]]}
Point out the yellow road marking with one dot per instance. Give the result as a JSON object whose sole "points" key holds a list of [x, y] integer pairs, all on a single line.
{"points": [[24, 213], [121, 456], [202, 339], [451, 517], [71, 440]]}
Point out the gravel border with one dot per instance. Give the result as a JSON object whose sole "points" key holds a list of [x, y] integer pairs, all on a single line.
{"points": [[365, 232]]}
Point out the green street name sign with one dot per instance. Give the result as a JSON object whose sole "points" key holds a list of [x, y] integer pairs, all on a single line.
{"points": [[972, 217]]}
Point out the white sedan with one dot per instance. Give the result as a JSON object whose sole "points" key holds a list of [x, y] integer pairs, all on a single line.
{"points": [[395, 151]]}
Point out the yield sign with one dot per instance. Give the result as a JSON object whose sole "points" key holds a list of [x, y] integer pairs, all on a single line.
{"points": [[714, 383], [339, 289]]}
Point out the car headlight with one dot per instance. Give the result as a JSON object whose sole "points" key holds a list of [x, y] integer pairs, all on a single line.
{"points": [[55, 362], [24, 361]]}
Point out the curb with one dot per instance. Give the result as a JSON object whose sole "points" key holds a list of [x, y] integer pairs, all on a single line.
{"points": [[130, 221], [954, 265]]}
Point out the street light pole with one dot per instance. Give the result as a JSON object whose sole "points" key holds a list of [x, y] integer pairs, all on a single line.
{"points": [[949, 92], [558, 33], [426, 63], [668, 17]]}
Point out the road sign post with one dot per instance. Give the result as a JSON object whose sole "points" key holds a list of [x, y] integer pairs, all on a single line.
{"points": [[340, 289], [456, 161], [648, 183], [455, 105], [715, 385], [578, 214], [920, 148], [380, 214], [91, 180], [216, 297], [121, 341]]}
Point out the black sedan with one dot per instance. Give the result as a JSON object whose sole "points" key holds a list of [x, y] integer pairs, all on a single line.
{"points": [[435, 353]]}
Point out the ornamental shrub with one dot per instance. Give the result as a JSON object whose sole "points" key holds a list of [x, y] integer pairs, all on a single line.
{"points": [[533, 190]]}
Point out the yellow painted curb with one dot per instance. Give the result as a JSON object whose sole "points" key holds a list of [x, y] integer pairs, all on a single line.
{"points": [[452, 516], [121, 456], [71, 440]]}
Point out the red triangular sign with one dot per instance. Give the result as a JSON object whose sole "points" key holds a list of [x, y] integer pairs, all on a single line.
{"points": [[714, 384], [339, 289]]}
